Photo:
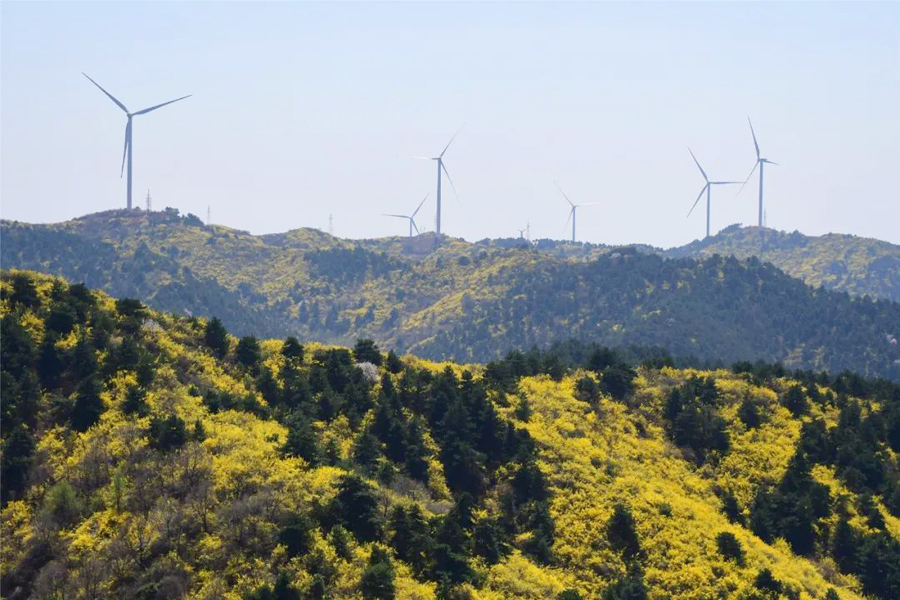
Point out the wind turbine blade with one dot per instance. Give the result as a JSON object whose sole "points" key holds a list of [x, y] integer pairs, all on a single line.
{"points": [[125, 149], [569, 218], [111, 97], [756, 164], [754, 138], [771, 162], [420, 205], [152, 108], [697, 162], [416, 227], [441, 155], [700, 195], [450, 180], [398, 216], [723, 182], [564, 194]]}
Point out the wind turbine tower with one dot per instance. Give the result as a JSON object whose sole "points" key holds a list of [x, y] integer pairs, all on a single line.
{"points": [[706, 188], [126, 153], [439, 159], [573, 211], [761, 163]]}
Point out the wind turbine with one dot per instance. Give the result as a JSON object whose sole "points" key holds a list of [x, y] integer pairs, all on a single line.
{"points": [[522, 233], [760, 162], [126, 153], [574, 208], [411, 218], [440, 167], [706, 188]]}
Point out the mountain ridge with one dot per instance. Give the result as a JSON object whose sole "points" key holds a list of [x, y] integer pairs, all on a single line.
{"points": [[460, 300]]}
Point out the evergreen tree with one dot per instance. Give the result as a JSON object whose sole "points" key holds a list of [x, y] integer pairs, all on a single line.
{"points": [[292, 350], [356, 508], [366, 450], [50, 363], [247, 353], [296, 535], [135, 402], [630, 587], [24, 293], [729, 547], [18, 451], [302, 439], [167, 433], [618, 381], [795, 401], [767, 583], [410, 537], [215, 337], [367, 351], [88, 404], [378, 578], [417, 452], [621, 533], [749, 414], [17, 350], [587, 390], [732, 509], [394, 364], [845, 546], [340, 541]]}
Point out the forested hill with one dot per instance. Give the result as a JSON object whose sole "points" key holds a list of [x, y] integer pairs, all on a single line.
{"points": [[148, 455], [845, 263], [462, 301]]}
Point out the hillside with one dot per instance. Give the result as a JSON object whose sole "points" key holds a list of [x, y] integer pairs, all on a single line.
{"points": [[844, 263], [461, 301], [148, 455]]}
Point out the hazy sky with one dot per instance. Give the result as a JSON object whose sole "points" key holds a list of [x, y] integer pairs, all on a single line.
{"points": [[304, 110]]}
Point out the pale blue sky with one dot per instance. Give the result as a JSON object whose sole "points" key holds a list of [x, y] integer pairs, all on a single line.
{"points": [[301, 110]]}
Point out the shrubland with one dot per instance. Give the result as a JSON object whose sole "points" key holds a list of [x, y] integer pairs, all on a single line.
{"points": [[153, 455]]}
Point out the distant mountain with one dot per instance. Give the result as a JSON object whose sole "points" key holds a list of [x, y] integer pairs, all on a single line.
{"points": [[463, 301], [844, 263], [147, 455]]}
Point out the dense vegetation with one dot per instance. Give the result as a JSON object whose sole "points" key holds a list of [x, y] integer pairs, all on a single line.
{"points": [[844, 263], [460, 301], [149, 455]]}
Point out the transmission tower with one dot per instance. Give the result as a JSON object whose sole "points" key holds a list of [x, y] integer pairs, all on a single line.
{"points": [[149, 201]]}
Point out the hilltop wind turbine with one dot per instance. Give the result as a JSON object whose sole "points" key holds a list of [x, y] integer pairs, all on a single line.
{"points": [[760, 162], [440, 167], [522, 233], [411, 218], [126, 153], [706, 188], [574, 208]]}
